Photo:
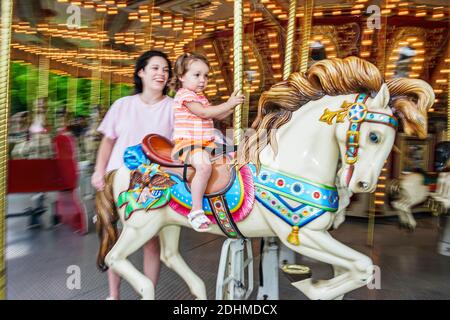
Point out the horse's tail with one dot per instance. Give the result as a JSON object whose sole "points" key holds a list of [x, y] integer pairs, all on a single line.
{"points": [[107, 217]]}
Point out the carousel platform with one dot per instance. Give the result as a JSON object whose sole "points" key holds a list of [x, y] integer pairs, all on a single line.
{"points": [[38, 262]]}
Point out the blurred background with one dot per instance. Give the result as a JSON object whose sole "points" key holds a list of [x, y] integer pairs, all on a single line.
{"points": [[70, 60]]}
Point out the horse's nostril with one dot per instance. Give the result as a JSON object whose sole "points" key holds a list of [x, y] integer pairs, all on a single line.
{"points": [[363, 185]]}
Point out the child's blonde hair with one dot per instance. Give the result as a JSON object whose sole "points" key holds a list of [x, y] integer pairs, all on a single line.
{"points": [[182, 66]]}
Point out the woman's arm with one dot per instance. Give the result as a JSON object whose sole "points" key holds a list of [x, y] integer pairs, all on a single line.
{"points": [[103, 155]]}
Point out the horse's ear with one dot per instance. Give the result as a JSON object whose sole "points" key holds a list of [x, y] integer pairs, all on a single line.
{"points": [[381, 100]]}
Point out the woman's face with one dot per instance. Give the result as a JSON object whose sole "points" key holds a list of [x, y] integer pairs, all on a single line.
{"points": [[155, 74]]}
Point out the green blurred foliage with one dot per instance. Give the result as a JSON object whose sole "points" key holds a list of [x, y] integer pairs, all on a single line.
{"points": [[24, 86], [18, 87]]}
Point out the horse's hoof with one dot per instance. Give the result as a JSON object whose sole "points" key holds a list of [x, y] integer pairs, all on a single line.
{"points": [[305, 286], [403, 226]]}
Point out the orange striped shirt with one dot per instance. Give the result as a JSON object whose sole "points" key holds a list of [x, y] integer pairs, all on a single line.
{"points": [[187, 125]]}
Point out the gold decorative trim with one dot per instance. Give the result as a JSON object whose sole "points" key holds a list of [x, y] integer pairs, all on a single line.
{"points": [[328, 115], [295, 269]]}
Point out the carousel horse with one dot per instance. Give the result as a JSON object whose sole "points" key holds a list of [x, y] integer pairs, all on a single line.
{"points": [[42, 185], [411, 189], [282, 186], [18, 127], [38, 142]]}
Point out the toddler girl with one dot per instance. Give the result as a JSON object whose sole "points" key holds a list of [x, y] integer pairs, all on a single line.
{"points": [[194, 127]]}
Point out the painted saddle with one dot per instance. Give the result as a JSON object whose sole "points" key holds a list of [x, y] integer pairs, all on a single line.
{"points": [[229, 195]]}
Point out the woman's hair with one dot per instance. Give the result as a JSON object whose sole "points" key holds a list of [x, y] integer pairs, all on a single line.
{"points": [[182, 66], [142, 62]]}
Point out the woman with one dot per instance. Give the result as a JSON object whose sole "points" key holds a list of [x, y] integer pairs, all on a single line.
{"points": [[127, 122]]}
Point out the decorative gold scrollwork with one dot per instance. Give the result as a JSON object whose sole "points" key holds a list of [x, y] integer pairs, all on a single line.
{"points": [[328, 115]]}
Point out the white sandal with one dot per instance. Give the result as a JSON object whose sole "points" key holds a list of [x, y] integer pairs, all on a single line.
{"points": [[197, 219]]}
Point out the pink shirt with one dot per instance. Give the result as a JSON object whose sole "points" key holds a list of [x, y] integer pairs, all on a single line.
{"points": [[130, 119], [188, 125]]}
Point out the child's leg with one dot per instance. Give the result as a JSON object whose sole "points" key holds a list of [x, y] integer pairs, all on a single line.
{"points": [[202, 165], [199, 159]]}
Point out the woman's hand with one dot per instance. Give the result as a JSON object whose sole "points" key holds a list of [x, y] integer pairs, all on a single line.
{"points": [[98, 180], [103, 155], [235, 99]]}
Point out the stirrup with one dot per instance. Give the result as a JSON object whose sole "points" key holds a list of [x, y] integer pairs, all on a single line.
{"points": [[197, 218]]}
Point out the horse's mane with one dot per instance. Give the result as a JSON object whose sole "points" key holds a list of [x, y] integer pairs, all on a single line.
{"points": [[410, 101], [327, 77], [332, 77]]}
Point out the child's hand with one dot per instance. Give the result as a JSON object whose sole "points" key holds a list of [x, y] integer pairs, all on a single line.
{"points": [[236, 99]]}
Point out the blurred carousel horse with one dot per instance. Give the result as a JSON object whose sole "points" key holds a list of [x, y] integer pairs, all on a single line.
{"points": [[49, 190], [18, 127], [284, 186], [92, 138], [30, 142], [411, 189], [38, 144]]}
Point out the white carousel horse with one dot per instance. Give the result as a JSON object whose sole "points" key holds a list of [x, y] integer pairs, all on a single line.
{"points": [[304, 152], [39, 143], [18, 127], [411, 190]]}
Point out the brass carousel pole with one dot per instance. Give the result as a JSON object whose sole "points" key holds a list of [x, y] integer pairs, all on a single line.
{"points": [[290, 40], [44, 66], [72, 87], [96, 73], [448, 103], [95, 84], [307, 25], [287, 69], [382, 34], [371, 226], [238, 66], [5, 51], [150, 8]]}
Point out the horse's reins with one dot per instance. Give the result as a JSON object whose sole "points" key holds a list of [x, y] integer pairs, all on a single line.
{"points": [[357, 113]]}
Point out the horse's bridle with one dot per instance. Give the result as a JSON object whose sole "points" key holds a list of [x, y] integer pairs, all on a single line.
{"points": [[356, 112]]}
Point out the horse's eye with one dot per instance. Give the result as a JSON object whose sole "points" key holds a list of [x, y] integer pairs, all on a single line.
{"points": [[374, 137]]}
